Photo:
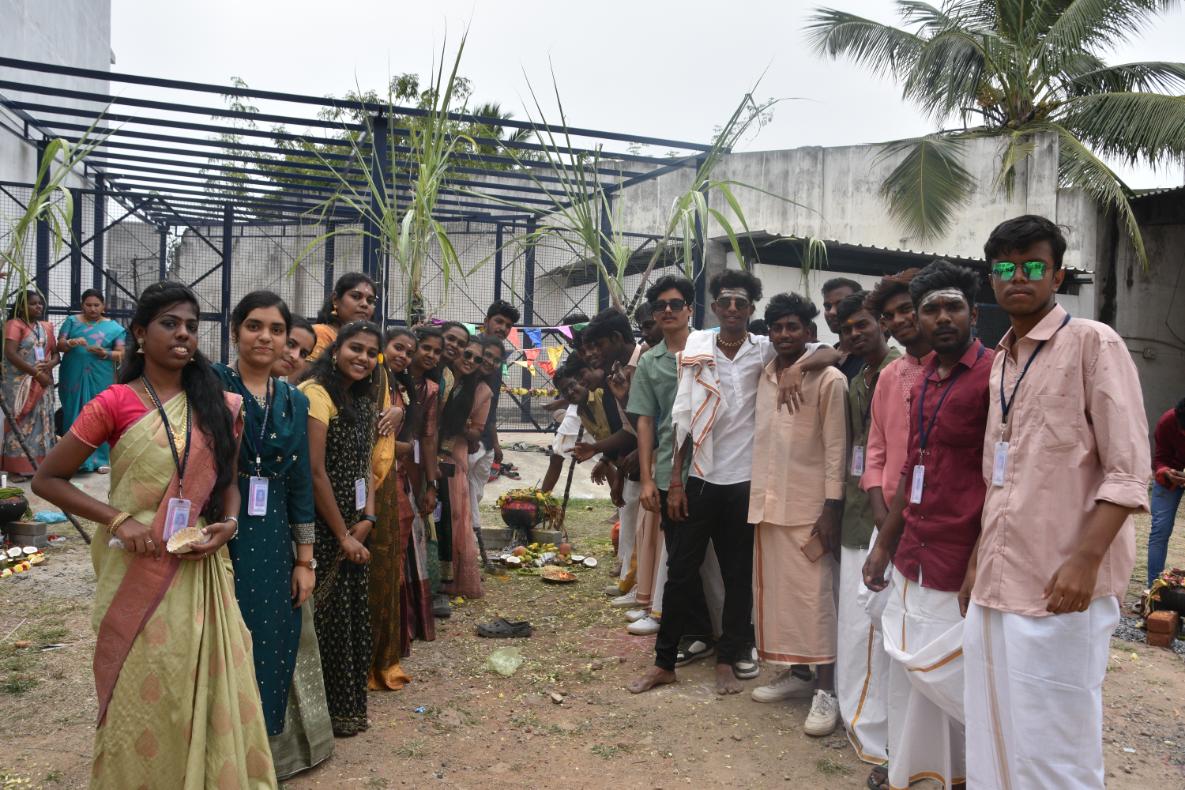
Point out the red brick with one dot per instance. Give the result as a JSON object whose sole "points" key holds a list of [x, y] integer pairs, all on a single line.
{"points": [[1163, 622], [1159, 640]]}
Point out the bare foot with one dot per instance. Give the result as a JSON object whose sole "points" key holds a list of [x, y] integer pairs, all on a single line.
{"points": [[726, 682], [655, 676]]}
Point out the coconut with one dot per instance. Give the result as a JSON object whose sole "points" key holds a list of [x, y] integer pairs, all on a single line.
{"points": [[577, 558], [29, 551], [184, 540], [519, 551], [514, 562], [14, 553], [590, 562]]}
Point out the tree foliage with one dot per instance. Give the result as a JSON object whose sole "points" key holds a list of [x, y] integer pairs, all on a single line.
{"points": [[1015, 70]]}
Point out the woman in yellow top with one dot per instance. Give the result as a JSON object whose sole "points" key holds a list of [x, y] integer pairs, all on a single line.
{"points": [[353, 299], [342, 393]]}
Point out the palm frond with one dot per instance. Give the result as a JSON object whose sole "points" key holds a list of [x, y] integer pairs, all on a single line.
{"points": [[1150, 77], [1076, 25], [1134, 126], [884, 49], [1019, 146], [928, 184], [1079, 168], [947, 74]]}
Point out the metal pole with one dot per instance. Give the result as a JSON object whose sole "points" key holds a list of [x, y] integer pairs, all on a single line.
{"points": [[228, 219], [528, 312], [76, 249], [498, 261], [372, 249], [697, 261], [330, 227], [603, 271], [41, 272], [162, 252], [98, 244]]}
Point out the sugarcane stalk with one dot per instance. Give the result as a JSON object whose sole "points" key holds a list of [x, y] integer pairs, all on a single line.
{"points": [[568, 491]]}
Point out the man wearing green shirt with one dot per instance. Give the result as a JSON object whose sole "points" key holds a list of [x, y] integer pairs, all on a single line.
{"points": [[861, 663]]}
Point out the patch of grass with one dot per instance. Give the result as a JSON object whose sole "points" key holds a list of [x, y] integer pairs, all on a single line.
{"points": [[54, 777], [524, 718], [46, 633], [829, 766], [377, 782], [608, 751], [18, 684], [410, 749]]}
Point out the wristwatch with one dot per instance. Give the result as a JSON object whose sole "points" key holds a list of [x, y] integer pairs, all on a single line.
{"points": [[310, 564]]}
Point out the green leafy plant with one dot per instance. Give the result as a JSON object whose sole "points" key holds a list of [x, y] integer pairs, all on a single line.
{"points": [[1014, 71], [398, 207]]}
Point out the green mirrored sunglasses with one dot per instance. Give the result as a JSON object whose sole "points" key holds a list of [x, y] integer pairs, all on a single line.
{"points": [[1006, 270]]}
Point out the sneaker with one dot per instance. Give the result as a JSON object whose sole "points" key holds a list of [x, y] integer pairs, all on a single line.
{"points": [[824, 715], [441, 607], [625, 601], [634, 615], [785, 685], [613, 590], [647, 626], [746, 668], [692, 650]]}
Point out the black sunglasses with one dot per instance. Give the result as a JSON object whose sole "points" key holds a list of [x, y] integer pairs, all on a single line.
{"points": [[674, 305], [733, 302], [470, 356]]}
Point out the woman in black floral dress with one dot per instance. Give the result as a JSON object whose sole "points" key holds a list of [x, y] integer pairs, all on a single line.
{"points": [[341, 395]]}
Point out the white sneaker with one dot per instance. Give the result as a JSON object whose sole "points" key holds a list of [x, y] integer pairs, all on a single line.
{"points": [[634, 615], [625, 601], [647, 626], [824, 715], [785, 685]]}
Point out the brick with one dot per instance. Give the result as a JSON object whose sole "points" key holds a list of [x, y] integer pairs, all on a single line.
{"points": [[1163, 622], [1159, 640]]}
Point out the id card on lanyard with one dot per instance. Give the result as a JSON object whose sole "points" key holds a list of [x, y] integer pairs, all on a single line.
{"points": [[258, 485], [918, 484], [178, 509], [1000, 459]]}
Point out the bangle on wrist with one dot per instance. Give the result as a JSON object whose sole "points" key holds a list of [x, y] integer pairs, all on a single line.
{"points": [[675, 485], [117, 522], [373, 519]]}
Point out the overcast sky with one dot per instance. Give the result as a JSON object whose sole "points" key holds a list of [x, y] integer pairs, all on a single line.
{"points": [[663, 68]]}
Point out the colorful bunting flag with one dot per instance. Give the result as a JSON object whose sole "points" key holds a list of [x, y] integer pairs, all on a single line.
{"points": [[514, 338], [566, 331], [547, 368], [535, 336], [555, 354], [531, 353]]}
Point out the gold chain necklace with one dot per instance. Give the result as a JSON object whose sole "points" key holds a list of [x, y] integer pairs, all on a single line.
{"points": [[731, 343]]}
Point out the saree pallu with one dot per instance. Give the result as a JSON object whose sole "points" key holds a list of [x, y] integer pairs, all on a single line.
{"points": [[307, 739], [30, 404], [83, 375], [178, 703], [415, 595], [466, 579]]}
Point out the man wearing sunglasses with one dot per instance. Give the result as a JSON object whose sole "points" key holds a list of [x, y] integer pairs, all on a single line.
{"points": [[713, 412], [1066, 461]]}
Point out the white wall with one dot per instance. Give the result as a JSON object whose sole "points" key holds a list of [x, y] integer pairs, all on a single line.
{"points": [[66, 32]]}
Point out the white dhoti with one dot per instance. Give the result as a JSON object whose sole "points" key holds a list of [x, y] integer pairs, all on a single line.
{"points": [[627, 514], [923, 634], [1034, 697], [861, 665], [660, 582]]}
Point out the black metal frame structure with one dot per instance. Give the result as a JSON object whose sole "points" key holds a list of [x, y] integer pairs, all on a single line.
{"points": [[179, 166]]}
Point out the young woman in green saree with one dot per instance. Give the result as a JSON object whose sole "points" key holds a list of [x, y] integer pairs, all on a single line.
{"points": [[177, 702], [275, 488], [91, 346]]}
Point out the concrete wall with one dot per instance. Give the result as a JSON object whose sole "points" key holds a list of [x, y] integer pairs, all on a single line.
{"points": [[1149, 306], [69, 32]]}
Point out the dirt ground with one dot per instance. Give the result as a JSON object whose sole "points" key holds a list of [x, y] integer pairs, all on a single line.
{"points": [[458, 724]]}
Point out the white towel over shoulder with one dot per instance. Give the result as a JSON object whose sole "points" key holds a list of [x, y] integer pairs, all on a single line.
{"points": [[697, 399]]}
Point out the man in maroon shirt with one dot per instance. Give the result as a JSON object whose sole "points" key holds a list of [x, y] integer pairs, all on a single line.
{"points": [[1168, 466], [931, 530]]}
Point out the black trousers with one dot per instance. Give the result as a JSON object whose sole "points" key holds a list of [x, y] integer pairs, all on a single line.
{"points": [[718, 513]]}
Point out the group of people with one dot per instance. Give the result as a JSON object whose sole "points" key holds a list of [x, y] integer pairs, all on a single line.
{"points": [[928, 540], [328, 471], [900, 532]]}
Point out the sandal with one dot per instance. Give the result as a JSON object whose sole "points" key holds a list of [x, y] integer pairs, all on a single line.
{"points": [[692, 649], [878, 778], [502, 628]]}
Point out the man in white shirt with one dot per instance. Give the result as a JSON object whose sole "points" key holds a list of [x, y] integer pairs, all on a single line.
{"points": [[714, 420]]}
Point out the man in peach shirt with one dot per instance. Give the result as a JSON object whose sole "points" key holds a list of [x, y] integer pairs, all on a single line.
{"points": [[1066, 461], [796, 501]]}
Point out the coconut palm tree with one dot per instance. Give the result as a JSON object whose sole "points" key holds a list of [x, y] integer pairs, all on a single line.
{"points": [[1017, 70]]}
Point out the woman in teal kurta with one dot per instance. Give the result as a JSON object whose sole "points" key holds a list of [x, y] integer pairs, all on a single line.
{"points": [[91, 346], [270, 584]]}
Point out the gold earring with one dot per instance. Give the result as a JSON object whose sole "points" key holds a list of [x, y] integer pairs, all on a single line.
{"points": [[139, 349]]}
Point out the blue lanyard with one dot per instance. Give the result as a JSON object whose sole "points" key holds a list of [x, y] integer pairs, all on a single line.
{"points": [[1006, 405], [267, 410], [925, 431], [180, 460]]}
